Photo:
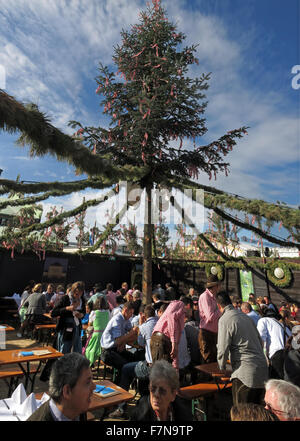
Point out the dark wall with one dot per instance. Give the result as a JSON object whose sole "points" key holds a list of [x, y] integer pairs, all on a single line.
{"points": [[16, 273]]}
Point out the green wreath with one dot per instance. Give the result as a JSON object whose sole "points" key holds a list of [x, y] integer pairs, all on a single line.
{"points": [[285, 281], [219, 268]]}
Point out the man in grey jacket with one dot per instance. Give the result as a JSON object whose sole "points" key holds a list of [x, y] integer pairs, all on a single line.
{"points": [[239, 339]]}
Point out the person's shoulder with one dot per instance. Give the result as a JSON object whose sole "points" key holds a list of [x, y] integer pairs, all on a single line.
{"points": [[142, 411], [43, 413], [182, 409]]}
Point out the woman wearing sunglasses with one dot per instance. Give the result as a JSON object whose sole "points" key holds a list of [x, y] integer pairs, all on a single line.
{"points": [[163, 403]]}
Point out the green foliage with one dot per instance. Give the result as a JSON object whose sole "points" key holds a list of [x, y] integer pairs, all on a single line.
{"points": [[130, 236], [155, 102], [219, 268], [285, 282]]}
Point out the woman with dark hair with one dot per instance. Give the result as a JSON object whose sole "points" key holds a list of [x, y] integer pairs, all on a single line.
{"points": [[163, 403], [70, 310], [99, 318]]}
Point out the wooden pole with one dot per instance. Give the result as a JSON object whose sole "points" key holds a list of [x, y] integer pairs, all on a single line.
{"points": [[147, 255]]}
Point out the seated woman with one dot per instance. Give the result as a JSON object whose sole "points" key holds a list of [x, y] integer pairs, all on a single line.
{"points": [[163, 403], [98, 318], [36, 308]]}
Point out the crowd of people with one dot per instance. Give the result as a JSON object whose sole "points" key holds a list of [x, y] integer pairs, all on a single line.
{"points": [[157, 344]]}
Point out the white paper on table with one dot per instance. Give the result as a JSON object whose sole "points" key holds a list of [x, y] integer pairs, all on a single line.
{"points": [[7, 414], [27, 408], [44, 398], [41, 352], [19, 407], [18, 396]]}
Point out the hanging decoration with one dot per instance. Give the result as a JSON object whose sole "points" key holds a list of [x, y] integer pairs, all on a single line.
{"points": [[215, 269], [279, 273]]}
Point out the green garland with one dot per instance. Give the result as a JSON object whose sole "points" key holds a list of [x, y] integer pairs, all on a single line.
{"points": [[287, 278], [43, 138], [214, 199], [7, 186], [219, 268]]}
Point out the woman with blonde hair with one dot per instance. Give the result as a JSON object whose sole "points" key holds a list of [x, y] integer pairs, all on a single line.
{"points": [[251, 412], [36, 308]]}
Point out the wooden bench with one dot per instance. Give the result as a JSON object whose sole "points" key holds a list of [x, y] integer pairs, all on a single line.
{"points": [[195, 392], [14, 377], [50, 328]]}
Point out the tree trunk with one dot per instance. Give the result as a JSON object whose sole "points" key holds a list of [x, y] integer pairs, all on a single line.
{"points": [[147, 255]]}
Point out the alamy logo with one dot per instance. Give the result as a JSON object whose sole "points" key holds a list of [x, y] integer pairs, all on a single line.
{"points": [[170, 206], [296, 79], [2, 77]]}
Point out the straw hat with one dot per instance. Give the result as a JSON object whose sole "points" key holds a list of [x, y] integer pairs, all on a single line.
{"points": [[212, 281]]}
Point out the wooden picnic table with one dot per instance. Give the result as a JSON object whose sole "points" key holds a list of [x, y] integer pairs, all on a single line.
{"points": [[4, 327], [219, 376], [14, 356]]}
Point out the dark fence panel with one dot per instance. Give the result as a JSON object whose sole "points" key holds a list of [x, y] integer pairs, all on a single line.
{"points": [[16, 273]]}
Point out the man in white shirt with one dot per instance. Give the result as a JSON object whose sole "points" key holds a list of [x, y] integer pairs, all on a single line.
{"points": [[274, 335]]}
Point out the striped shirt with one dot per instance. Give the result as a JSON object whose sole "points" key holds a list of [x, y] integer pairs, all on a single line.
{"points": [[171, 323]]}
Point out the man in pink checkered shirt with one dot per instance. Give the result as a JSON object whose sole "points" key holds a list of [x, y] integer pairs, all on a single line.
{"points": [[209, 317], [167, 332]]}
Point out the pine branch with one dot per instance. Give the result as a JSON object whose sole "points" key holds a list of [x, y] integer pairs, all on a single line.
{"points": [[7, 186], [44, 138], [66, 214], [289, 217], [245, 225], [34, 200]]}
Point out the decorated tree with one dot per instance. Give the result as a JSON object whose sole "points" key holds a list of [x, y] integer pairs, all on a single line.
{"points": [[83, 237], [130, 236], [156, 112], [15, 238], [161, 237], [223, 234], [152, 103]]}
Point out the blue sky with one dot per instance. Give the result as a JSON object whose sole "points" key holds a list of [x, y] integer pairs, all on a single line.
{"points": [[50, 53]]}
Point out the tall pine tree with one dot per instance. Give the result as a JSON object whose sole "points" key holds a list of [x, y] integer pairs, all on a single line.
{"points": [[152, 103]]}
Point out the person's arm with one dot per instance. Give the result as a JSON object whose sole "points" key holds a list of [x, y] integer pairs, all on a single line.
{"points": [[128, 338], [44, 303], [223, 345], [62, 308], [209, 309], [175, 326], [262, 329]]}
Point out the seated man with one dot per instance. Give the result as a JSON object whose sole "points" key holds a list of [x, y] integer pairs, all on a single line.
{"points": [[70, 389], [116, 335], [138, 369]]}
